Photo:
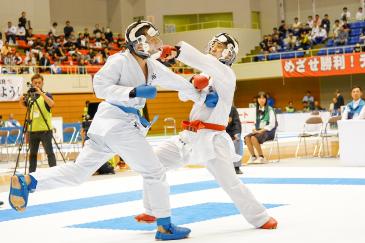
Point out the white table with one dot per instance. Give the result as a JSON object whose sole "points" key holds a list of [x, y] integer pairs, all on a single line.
{"points": [[352, 142]]}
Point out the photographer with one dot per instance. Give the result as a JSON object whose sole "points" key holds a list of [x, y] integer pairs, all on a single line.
{"points": [[40, 128]]}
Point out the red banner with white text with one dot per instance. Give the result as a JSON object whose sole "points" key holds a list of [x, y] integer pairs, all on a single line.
{"points": [[318, 66]]}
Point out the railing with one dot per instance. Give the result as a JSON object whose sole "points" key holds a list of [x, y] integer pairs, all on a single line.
{"points": [[171, 28], [302, 53], [73, 69]]}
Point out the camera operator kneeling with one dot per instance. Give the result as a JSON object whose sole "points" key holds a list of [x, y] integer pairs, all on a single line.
{"points": [[40, 127]]}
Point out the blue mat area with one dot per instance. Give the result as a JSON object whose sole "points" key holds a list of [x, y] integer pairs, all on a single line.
{"points": [[96, 201], [180, 216]]}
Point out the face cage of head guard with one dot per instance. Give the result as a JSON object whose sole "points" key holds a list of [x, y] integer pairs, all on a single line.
{"points": [[133, 40], [229, 54]]}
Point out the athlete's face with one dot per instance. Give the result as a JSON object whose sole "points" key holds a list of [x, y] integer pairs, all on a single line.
{"points": [[154, 44], [217, 49]]}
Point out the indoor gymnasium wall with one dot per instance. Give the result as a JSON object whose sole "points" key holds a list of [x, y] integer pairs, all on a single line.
{"points": [[282, 90]]}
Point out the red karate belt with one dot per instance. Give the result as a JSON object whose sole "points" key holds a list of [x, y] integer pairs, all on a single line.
{"points": [[196, 125]]}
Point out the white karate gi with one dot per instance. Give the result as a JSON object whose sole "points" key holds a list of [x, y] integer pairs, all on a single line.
{"points": [[215, 149], [116, 132]]}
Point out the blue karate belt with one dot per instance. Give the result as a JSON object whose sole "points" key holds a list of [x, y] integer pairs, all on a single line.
{"points": [[135, 111]]}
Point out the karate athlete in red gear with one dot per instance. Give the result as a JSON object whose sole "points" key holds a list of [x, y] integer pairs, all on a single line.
{"points": [[204, 139]]}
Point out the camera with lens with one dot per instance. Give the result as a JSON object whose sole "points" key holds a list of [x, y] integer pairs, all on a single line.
{"points": [[31, 88]]}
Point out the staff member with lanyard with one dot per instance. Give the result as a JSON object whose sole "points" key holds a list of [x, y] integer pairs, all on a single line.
{"points": [[38, 129], [356, 108]]}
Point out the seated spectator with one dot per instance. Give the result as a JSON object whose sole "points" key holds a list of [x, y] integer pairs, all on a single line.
{"points": [[341, 38], [359, 14], [290, 41], [30, 59], [326, 24], [29, 37], [290, 108], [346, 26], [109, 35], [264, 43], [68, 29], [265, 128], [319, 35], [56, 68], [59, 54], [304, 41], [317, 20], [331, 109], [20, 34], [38, 45], [49, 46], [45, 63], [345, 15], [317, 106], [340, 100], [18, 60], [11, 122], [10, 33], [270, 100], [308, 97], [296, 27], [336, 28], [97, 31], [5, 49], [356, 108], [81, 66], [86, 33], [120, 41], [310, 21], [82, 41], [357, 48]]}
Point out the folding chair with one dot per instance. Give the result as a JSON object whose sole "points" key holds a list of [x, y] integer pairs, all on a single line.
{"points": [[312, 128], [329, 131]]}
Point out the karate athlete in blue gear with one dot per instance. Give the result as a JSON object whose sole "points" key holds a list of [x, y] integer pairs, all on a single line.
{"points": [[125, 82]]}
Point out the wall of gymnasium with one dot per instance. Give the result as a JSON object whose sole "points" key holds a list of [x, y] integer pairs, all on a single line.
{"points": [[37, 12]]}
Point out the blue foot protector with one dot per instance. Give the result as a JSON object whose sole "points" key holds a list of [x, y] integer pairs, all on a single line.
{"points": [[19, 188], [173, 232]]}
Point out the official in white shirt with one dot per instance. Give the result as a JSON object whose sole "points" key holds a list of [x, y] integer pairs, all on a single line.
{"points": [[356, 108]]}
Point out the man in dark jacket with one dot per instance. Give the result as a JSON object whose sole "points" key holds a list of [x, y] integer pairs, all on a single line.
{"points": [[234, 130]]}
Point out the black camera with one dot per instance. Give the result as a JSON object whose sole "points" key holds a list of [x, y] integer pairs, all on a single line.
{"points": [[31, 88]]}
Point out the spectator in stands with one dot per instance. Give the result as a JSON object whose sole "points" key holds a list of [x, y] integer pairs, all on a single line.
{"points": [[336, 28], [81, 66], [356, 108], [68, 29], [23, 20], [359, 14], [310, 21], [18, 60], [97, 31], [326, 23], [265, 128], [283, 29], [120, 41], [290, 108], [317, 20], [264, 43], [341, 38], [296, 27], [358, 48], [59, 54], [234, 130], [10, 33], [82, 42], [109, 35], [30, 59], [290, 41], [2, 122], [5, 49], [53, 29], [20, 33], [304, 41], [29, 37], [1, 43], [56, 67], [45, 63], [86, 33], [49, 46], [11, 122], [317, 106], [319, 35], [346, 26], [345, 15], [38, 45]]}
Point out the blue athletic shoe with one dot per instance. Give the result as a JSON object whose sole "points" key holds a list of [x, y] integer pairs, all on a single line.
{"points": [[174, 233], [171, 232], [19, 191]]}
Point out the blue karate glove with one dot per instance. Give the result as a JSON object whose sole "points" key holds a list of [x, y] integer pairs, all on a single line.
{"points": [[145, 91], [211, 100]]}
